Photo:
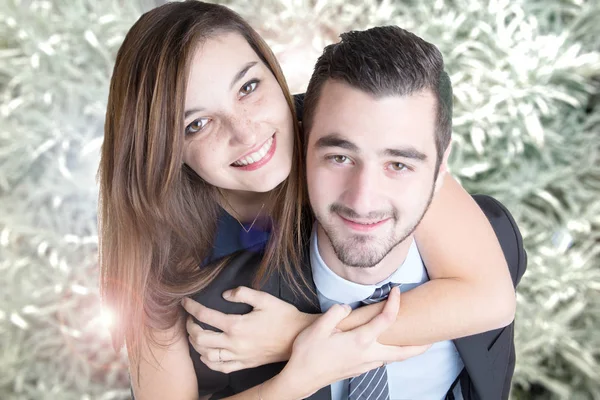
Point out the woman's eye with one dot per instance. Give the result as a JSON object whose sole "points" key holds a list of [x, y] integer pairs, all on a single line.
{"points": [[196, 126], [396, 166], [248, 88]]}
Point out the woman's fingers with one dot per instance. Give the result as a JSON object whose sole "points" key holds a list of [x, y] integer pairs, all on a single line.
{"points": [[212, 346], [370, 331], [367, 335], [390, 354], [327, 323], [226, 367], [203, 339], [218, 356], [207, 315], [263, 336], [392, 304], [255, 298]]}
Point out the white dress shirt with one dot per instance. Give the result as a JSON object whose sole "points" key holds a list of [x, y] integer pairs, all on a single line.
{"points": [[426, 376]]}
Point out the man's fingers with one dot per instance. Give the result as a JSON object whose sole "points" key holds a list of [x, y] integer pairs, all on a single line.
{"points": [[327, 323], [207, 315], [381, 322], [243, 294]]}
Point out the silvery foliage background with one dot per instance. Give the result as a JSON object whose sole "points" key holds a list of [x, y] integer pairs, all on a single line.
{"points": [[526, 76]]}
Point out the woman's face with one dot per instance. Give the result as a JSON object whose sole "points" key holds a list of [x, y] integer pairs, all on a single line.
{"points": [[239, 128]]}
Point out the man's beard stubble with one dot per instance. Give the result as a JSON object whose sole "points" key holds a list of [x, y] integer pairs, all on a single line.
{"points": [[348, 252]]}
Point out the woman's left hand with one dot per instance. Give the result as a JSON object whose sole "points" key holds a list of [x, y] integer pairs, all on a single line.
{"points": [[263, 336]]}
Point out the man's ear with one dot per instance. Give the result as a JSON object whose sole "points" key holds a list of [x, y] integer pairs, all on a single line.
{"points": [[443, 169]]}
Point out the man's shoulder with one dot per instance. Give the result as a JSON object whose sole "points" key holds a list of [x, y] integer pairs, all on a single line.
{"points": [[508, 234]]}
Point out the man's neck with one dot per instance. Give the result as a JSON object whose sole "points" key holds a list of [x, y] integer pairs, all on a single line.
{"points": [[364, 276]]}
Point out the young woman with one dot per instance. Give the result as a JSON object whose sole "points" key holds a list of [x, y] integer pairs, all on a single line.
{"points": [[200, 129]]}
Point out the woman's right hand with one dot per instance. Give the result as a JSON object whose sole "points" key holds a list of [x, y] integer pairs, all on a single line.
{"points": [[322, 354]]}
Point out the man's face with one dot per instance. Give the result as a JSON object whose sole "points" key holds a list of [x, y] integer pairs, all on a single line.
{"points": [[370, 169]]}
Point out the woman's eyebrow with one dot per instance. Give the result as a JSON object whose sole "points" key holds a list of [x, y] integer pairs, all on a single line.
{"points": [[242, 72], [236, 78], [192, 111]]}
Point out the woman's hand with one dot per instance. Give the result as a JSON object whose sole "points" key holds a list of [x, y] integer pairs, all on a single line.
{"points": [[263, 336], [322, 354]]}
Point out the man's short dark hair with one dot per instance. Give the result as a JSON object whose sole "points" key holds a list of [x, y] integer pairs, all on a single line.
{"points": [[385, 61]]}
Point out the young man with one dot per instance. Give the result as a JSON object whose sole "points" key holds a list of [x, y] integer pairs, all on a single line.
{"points": [[377, 115], [378, 144]]}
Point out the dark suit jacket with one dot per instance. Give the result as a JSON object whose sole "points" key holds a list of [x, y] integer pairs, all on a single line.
{"points": [[489, 357]]}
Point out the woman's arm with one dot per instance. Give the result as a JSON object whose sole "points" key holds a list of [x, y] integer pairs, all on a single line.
{"points": [[320, 354], [470, 290], [165, 372], [168, 373]]}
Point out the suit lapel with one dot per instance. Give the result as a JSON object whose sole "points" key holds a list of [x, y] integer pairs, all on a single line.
{"points": [[310, 302], [473, 352], [473, 355]]}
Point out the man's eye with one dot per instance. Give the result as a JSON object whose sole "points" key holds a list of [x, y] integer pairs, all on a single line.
{"points": [[396, 166], [196, 126], [248, 88], [339, 159]]}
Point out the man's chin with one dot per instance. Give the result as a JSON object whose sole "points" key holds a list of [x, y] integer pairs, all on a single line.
{"points": [[358, 256], [365, 242], [362, 263]]}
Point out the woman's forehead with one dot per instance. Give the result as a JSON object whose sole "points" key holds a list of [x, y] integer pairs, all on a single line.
{"points": [[215, 65], [221, 56]]}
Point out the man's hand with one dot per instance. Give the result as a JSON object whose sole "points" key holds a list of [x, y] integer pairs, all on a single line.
{"points": [[263, 336], [322, 354]]}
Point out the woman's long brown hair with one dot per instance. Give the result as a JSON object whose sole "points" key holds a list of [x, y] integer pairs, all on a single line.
{"points": [[157, 217]]}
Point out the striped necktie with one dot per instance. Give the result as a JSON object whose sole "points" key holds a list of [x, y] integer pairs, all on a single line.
{"points": [[373, 384]]}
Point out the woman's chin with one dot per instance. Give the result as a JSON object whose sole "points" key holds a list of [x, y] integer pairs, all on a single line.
{"points": [[267, 186], [268, 183]]}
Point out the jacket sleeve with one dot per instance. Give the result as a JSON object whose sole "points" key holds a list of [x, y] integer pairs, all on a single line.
{"points": [[508, 234]]}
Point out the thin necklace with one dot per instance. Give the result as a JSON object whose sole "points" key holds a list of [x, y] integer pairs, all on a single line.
{"points": [[232, 209]]}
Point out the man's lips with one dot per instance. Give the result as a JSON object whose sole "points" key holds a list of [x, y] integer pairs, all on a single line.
{"points": [[363, 226]]}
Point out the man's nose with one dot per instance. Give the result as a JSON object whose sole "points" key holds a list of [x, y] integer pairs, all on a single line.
{"points": [[361, 193]]}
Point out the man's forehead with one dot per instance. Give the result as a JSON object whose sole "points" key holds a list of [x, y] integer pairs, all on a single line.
{"points": [[339, 87], [377, 123]]}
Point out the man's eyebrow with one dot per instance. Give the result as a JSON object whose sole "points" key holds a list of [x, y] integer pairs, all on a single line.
{"points": [[335, 140], [236, 78], [407, 152], [242, 72]]}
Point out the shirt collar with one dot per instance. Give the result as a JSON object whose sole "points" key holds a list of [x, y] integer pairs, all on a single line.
{"points": [[336, 288]]}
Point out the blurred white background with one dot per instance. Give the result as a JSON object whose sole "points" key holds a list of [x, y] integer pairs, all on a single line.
{"points": [[526, 76]]}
